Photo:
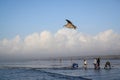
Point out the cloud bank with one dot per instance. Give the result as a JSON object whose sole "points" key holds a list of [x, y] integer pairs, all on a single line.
{"points": [[65, 42]]}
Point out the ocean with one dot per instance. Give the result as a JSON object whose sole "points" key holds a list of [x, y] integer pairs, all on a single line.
{"points": [[58, 70]]}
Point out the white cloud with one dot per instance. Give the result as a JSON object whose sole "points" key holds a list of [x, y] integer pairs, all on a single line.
{"points": [[64, 42]]}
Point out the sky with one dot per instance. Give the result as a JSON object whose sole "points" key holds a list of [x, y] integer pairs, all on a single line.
{"points": [[34, 28]]}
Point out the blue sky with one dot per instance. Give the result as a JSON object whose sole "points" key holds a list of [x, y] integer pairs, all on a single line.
{"points": [[23, 17]]}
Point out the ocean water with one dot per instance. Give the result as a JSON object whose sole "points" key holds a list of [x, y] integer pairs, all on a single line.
{"points": [[57, 70]]}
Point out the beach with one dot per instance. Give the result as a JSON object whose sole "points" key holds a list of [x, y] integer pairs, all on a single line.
{"points": [[58, 70]]}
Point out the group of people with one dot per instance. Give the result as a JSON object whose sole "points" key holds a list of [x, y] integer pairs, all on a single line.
{"points": [[96, 64]]}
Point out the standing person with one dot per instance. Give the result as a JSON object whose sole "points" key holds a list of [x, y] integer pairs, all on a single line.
{"points": [[85, 64], [95, 63], [98, 63]]}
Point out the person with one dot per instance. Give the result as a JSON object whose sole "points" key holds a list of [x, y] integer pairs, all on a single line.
{"points": [[95, 63], [85, 64], [107, 65], [98, 63], [74, 65]]}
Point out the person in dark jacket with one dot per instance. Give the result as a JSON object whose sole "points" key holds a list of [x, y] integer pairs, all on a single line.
{"points": [[98, 63], [107, 65]]}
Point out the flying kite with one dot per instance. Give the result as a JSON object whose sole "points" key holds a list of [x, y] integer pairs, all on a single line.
{"points": [[70, 24]]}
